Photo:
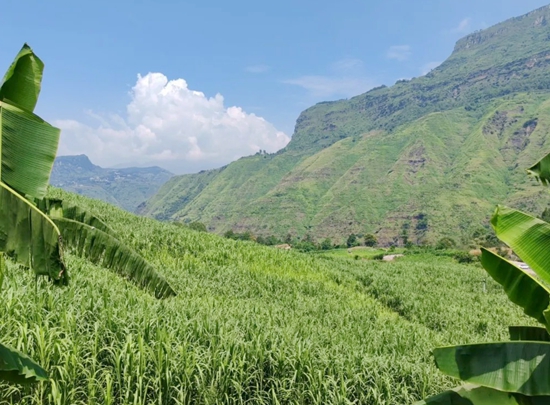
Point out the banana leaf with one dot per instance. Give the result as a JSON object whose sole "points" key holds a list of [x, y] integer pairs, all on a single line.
{"points": [[521, 287], [519, 367], [470, 394], [22, 81], [28, 146], [56, 208], [528, 333], [528, 236], [541, 170], [19, 368], [107, 251], [29, 237]]}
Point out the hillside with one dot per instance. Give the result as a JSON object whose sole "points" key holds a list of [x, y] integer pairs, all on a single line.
{"points": [[249, 324], [126, 188], [428, 157]]}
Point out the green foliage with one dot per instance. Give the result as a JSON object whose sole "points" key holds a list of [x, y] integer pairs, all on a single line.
{"points": [[197, 226], [520, 367], [17, 367], [246, 316], [463, 257], [352, 241], [445, 243], [326, 244], [30, 227], [370, 240]]}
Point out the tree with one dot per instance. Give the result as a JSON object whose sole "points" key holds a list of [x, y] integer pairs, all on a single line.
{"points": [[352, 241], [33, 228], [326, 244], [515, 372], [445, 243], [370, 240], [197, 226]]}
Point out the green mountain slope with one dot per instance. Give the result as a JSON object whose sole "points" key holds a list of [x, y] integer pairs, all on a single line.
{"points": [[126, 188], [426, 157]]}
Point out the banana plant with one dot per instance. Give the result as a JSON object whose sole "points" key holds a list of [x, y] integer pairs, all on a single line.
{"points": [[35, 230], [518, 371]]}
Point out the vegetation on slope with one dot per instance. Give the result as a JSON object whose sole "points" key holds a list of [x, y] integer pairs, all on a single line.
{"points": [[249, 323], [422, 151]]}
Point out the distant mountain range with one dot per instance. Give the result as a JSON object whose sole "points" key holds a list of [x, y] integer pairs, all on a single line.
{"points": [[422, 159], [126, 187]]}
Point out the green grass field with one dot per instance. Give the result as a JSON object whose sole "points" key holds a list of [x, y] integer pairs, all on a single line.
{"points": [[251, 324], [360, 252]]}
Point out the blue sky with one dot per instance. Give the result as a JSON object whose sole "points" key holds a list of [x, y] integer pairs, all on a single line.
{"points": [[269, 59]]}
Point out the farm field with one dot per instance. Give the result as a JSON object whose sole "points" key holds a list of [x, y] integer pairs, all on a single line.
{"points": [[251, 324], [360, 252]]}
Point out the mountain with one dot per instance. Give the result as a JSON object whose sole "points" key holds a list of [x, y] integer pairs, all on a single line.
{"points": [[424, 158], [126, 188]]}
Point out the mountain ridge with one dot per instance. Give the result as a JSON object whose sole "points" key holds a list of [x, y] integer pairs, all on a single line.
{"points": [[426, 132], [124, 187]]}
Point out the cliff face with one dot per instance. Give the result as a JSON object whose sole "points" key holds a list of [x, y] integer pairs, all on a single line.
{"points": [[444, 148]]}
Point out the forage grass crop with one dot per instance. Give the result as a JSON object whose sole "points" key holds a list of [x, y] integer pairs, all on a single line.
{"points": [[250, 324]]}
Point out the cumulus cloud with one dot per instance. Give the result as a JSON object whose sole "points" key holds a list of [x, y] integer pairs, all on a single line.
{"points": [[463, 26], [169, 125], [346, 78], [399, 52]]}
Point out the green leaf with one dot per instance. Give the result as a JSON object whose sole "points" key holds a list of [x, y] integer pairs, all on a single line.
{"points": [[22, 81], [29, 237], [107, 251], [521, 367], [520, 286], [541, 170], [529, 333], [17, 367], [28, 146], [56, 208], [528, 236], [470, 394]]}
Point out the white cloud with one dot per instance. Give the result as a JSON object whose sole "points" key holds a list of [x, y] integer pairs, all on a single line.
{"points": [[463, 26], [170, 125], [428, 67], [257, 68], [399, 52], [346, 78]]}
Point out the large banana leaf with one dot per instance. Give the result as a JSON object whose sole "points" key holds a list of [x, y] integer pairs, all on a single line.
{"points": [[107, 251], [28, 146], [520, 367], [23, 79], [529, 333], [522, 288], [541, 170], [528, 236], [470, 394], [29, 237], [18, 368], [56, 208]]}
